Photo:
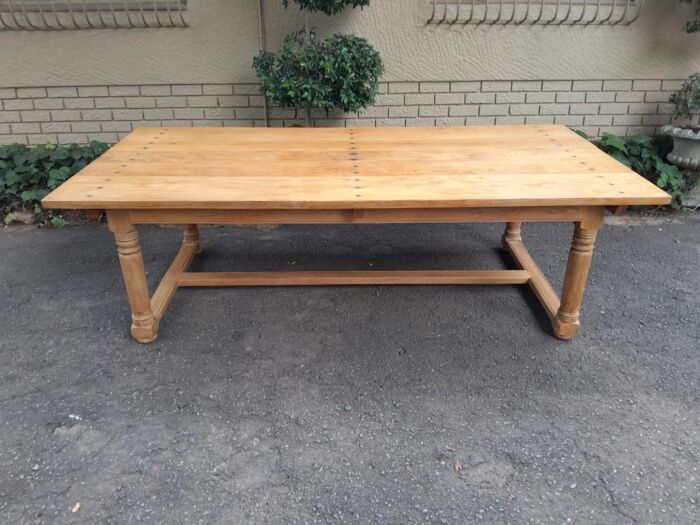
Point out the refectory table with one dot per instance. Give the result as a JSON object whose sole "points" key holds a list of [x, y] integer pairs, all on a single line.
{"points": [[509, 174]]}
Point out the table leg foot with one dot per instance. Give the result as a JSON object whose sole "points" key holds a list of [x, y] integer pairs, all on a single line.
{"points": [[144, 330], [565, 330]]}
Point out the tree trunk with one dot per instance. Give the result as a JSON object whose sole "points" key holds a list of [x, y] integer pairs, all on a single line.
{"points": [[307, 28]]}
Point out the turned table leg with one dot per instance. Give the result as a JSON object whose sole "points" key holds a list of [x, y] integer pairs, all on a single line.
{"points": [[512, 233], [144, 327], [566, 322], [192, 235]]}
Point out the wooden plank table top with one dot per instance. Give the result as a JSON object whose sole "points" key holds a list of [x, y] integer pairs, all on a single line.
{"points": [[510, 174], [381, 168]]}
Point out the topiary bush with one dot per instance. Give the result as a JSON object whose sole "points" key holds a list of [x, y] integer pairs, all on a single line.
{"points": [[330, 7], [28, 174], [693, 26], [341, 71]]}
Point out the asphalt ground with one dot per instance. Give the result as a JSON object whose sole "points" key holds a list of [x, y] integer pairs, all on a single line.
{"points": [[351, 404]]}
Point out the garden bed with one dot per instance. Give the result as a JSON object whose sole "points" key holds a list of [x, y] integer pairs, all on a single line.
{"points": [[29, 173]]}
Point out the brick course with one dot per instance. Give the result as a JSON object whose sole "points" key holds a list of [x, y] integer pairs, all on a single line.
{"points": [[65, 114]]}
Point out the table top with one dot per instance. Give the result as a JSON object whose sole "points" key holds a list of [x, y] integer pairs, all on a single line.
{"points": [[344, 168]]}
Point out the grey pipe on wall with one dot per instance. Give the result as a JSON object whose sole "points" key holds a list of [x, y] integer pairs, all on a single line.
{"points": [[262, 44]]}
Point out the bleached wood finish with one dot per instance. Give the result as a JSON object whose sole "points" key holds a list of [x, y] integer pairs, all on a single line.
{"points": [[511, 174], [512, 233], [144, 327], [239, 168], [348, 278], [365, 216], [566, 323], [192, 235], [168, 285], [537, 281]]}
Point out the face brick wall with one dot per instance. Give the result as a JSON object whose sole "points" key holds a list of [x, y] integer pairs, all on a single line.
{"points": [[107, 113]]}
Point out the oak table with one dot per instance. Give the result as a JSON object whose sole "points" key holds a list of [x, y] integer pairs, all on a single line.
{"points": [[510, 174]]}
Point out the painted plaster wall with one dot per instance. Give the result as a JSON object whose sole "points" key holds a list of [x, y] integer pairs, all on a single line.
{"points": [[218, 47]]}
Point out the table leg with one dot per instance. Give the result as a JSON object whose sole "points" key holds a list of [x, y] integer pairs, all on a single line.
{"points": [[192, 235], [566, 322], [144, 327], [512, 233]]}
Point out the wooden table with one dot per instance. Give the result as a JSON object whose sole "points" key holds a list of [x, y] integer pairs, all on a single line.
{"points": [[510, 174]]}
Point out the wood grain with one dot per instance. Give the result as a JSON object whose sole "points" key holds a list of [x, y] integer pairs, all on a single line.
{"points": [[537, 281], [566, 322], [144, 326], [349, 278], [365, 216], [239, 168], [168, 285]]}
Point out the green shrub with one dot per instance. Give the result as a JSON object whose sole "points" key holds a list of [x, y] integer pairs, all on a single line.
{"points": [[687, 99], [330, 7], [28, 174], [646, 156], [341, 71]]}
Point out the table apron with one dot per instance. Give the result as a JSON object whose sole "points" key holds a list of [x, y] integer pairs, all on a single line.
{"points": [[369, 216]]}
